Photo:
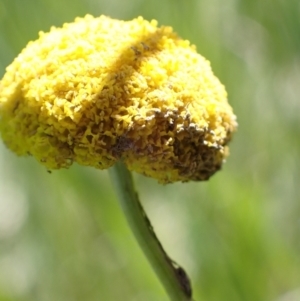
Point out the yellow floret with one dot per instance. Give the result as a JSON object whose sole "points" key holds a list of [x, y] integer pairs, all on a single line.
{"points": [[100, 90]]}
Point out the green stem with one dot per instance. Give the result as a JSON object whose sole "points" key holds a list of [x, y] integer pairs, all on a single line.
{"points": [[172, 277]]}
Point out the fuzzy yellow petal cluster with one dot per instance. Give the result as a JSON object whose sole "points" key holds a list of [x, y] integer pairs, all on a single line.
{"points": [[100, 90]]}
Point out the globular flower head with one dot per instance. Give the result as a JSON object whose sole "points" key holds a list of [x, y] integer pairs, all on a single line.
{"points": [[100, 90]]}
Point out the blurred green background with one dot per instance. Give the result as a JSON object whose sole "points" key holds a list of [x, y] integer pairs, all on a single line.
{"points": [[63, 236]]}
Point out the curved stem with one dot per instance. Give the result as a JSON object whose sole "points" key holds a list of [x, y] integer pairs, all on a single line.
{"points": [[172, 276]]}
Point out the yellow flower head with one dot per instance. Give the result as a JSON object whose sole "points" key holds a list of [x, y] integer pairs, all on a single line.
{"points": [[99, 90]]}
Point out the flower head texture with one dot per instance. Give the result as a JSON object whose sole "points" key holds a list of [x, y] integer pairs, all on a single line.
{"points": [[100, 90]]}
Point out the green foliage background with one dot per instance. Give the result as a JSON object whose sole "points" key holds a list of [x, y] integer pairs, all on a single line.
{"points": [[63, 236]]}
